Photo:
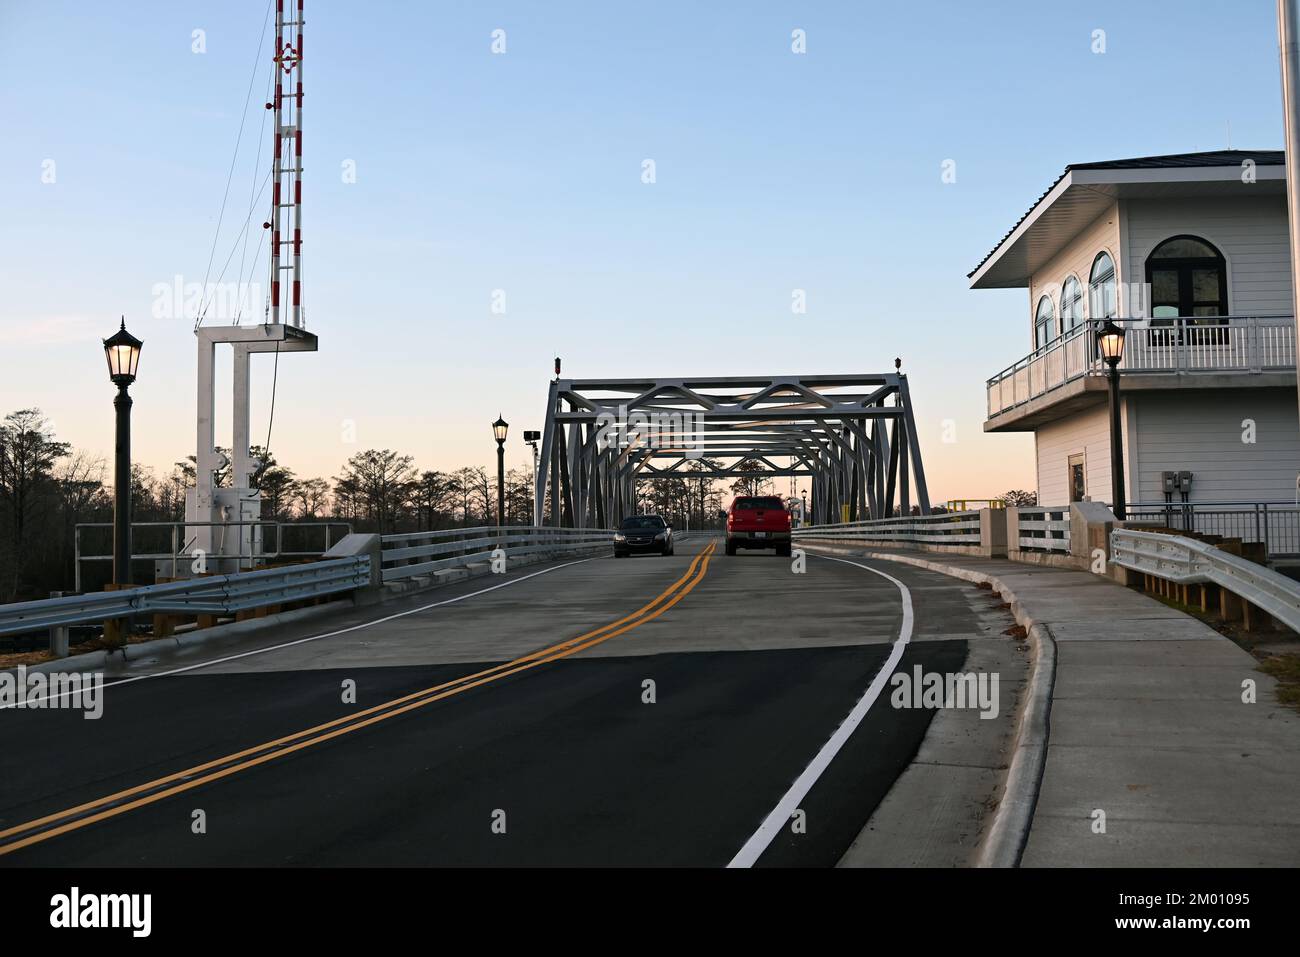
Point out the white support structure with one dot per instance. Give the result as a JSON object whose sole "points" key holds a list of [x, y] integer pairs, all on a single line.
{"points": [[238, 503], [228, 548]]}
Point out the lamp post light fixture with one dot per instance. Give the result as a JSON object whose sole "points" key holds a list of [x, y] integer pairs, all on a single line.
{"points": [[122, 350], [531, 438], [1110, 342], [499, 429]]}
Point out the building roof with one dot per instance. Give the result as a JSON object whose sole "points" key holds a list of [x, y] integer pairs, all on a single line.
{"points": [[1085, 190]]}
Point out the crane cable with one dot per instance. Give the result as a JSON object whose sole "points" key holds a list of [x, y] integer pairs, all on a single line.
{"points": [[231, 174]]}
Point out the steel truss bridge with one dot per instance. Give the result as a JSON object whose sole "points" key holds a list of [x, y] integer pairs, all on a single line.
{"points": [[853, 436]]}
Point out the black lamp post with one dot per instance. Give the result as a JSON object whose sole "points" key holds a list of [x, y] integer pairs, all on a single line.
{"points": [[499, 429], [1110, 342], [123, 354]]}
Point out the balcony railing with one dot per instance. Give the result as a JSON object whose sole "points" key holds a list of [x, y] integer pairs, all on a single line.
{"points": [[1250, 344]]}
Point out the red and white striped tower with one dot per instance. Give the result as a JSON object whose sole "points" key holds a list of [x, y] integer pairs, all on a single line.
{"points": [[286, 162]]}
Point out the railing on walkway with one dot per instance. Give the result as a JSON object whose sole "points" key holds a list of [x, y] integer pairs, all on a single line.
{"points": [[946, 528], [1187, 561], [172, 541], [211, 595], [1041, 528], [1275, 524], [1203, 345], [423, 553]]}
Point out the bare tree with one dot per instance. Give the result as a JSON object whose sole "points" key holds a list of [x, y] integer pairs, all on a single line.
{"points": [[383, 482], [754, 483], [310, 496], [434, 494]]}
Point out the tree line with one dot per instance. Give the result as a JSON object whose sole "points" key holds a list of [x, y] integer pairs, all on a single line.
{"points": [[47, 488]]}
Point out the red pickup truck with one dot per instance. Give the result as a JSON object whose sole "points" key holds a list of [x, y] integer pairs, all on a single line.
{"points": [[758, 521]]}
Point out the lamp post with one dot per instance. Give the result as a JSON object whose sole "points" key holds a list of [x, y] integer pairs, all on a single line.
{"points": [[499, 429], [1288, 39], [1110, 342], [123, 353], [803, 516]]}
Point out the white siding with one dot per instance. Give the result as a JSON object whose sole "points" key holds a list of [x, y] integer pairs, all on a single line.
{"points": [[1086, 432], [1201, 431], [1075, 258], [1250, 231]]}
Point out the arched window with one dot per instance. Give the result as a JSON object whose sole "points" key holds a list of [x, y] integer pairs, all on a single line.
{"points": [[1071, 305], [1044, 322], [1188, 277], [1101, 288]]}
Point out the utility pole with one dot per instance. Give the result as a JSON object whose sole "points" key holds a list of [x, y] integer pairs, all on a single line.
{"points": [[1288, 26]]}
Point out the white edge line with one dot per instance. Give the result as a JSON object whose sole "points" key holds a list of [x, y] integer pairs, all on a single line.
{"points": [[299, 641], [759, 841]]}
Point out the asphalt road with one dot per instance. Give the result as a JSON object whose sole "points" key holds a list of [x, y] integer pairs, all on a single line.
{"points": [[644, 711]]}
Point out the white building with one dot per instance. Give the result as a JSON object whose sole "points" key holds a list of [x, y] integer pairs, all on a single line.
{"points": [[1190, 254]]}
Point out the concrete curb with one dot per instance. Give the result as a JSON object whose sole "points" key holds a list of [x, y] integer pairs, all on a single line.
{"points": [[1005, 842]]}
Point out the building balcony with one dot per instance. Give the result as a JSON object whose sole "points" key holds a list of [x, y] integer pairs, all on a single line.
{"points": [[1208, 352]]}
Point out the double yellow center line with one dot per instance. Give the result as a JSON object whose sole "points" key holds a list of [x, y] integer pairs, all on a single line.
{"points": [[83, 815]]}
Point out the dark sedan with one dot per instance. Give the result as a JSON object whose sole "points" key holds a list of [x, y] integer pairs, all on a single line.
{"points": [[643, 533]]}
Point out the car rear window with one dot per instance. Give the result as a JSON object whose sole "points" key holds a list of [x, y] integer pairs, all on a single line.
{"points": [[765, 501]]}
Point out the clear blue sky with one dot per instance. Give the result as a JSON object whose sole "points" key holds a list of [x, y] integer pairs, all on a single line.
{"points": [[522, 172]]}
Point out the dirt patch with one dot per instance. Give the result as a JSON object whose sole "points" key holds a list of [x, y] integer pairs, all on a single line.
{"points": [[1286, 669], [1017, 632]]}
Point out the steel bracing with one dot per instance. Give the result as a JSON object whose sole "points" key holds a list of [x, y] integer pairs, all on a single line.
{"points": [[853, 436]]}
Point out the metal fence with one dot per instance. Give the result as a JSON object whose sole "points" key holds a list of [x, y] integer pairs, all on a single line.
{"points": [[947, 528], [1187, 561], [211, 595], [423, 553], [1275, 524], [172, 541], [1041, 528]]}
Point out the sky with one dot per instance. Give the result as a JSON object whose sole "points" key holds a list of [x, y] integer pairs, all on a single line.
{"points": [[519, 176]]}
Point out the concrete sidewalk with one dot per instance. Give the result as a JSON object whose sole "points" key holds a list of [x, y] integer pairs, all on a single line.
{"points": [[1147, 725]]}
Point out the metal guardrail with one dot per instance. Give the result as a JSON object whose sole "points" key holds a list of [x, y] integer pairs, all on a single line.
{"points": [[1187, 561], [1041, 528], [182, 539], [946, 528], [211, 595], [423, 553]]}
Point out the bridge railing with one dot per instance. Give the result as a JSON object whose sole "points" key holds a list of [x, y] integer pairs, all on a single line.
{"points": [[946, 528], [1186, 561], [424, 553], [1039, 528], [172, 542], [210, 595]]}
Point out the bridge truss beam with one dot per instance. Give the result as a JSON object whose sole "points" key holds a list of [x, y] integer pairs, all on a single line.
{"points": [[853, 436]]}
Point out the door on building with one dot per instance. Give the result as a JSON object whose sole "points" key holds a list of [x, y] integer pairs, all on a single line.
{"points": [[1075, 478]]}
